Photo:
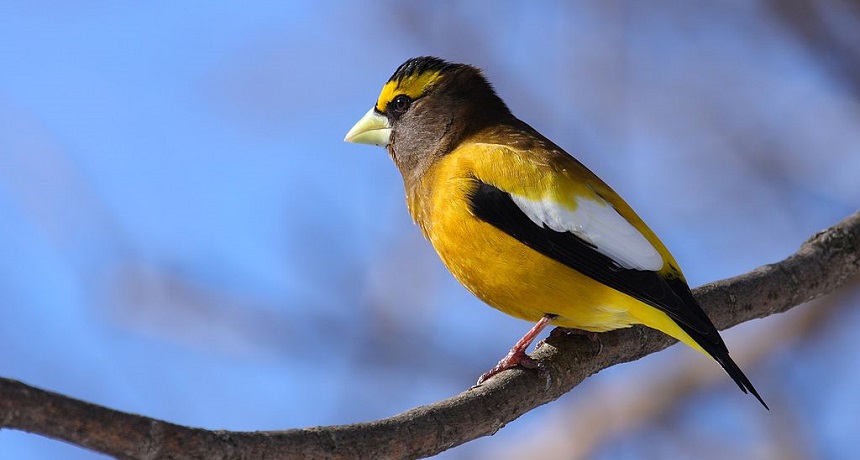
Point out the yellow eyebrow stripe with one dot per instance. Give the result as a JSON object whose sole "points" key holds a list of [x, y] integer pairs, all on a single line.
{"points": [[413, 86]]}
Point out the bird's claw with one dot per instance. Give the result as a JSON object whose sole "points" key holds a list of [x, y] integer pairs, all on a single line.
{"points": [[513, 360], [509, 362]]}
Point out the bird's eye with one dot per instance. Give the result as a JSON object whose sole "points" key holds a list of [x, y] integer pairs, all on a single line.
{"points": [[400, 104]]}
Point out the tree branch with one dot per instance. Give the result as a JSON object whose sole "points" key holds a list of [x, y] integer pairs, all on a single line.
{"points": [[821, 265]]}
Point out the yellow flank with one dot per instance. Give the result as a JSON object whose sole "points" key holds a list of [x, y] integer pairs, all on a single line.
{"points": [[505, 273], [411, 85]]}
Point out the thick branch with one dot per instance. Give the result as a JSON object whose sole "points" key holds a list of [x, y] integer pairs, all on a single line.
{"points": [[821, 265]]}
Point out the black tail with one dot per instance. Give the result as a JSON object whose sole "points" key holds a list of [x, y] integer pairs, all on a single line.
{"points": [[707, 336], [738, 376], [718, 350]]}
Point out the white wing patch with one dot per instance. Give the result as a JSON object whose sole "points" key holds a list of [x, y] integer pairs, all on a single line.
{"points": [[598, 223]]}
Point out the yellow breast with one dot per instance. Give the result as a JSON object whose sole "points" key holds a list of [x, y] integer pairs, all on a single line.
{"points": [[499, 269]]}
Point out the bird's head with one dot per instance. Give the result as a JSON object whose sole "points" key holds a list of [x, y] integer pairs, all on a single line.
{"points": [[425, 110]]}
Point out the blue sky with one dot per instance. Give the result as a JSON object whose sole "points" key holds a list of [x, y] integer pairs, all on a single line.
{"points": [[186, 236]]}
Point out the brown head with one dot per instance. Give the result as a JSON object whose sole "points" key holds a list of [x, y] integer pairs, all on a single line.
{"points": [[425, 110]]}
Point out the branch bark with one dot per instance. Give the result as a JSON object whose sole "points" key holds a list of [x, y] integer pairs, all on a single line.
{"points": [[822, 264]]}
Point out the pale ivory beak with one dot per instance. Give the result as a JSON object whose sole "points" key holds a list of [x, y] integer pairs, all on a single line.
{"points": [[373, 128]]}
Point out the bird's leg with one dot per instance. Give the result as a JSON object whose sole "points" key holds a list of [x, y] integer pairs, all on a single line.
{"points": [[517, 356]]}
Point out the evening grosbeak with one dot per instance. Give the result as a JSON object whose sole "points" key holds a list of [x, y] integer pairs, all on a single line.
{"points": [[522, 224]]}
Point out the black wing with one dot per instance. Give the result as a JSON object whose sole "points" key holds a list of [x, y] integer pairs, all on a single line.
{"points": [[668, 294]]}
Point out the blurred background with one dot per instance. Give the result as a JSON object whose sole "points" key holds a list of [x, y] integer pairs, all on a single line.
{"points": [[184, 235]]}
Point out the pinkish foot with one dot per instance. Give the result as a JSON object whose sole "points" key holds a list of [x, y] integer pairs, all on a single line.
{"points": [[517, 356], [513, 359]]}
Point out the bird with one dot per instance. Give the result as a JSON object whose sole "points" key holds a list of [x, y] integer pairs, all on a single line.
{"points": [[522, 224]]}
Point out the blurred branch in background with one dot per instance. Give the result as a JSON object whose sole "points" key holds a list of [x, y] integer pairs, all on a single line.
{"points": [[822, 264], [830, 30], [51, 189]]}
